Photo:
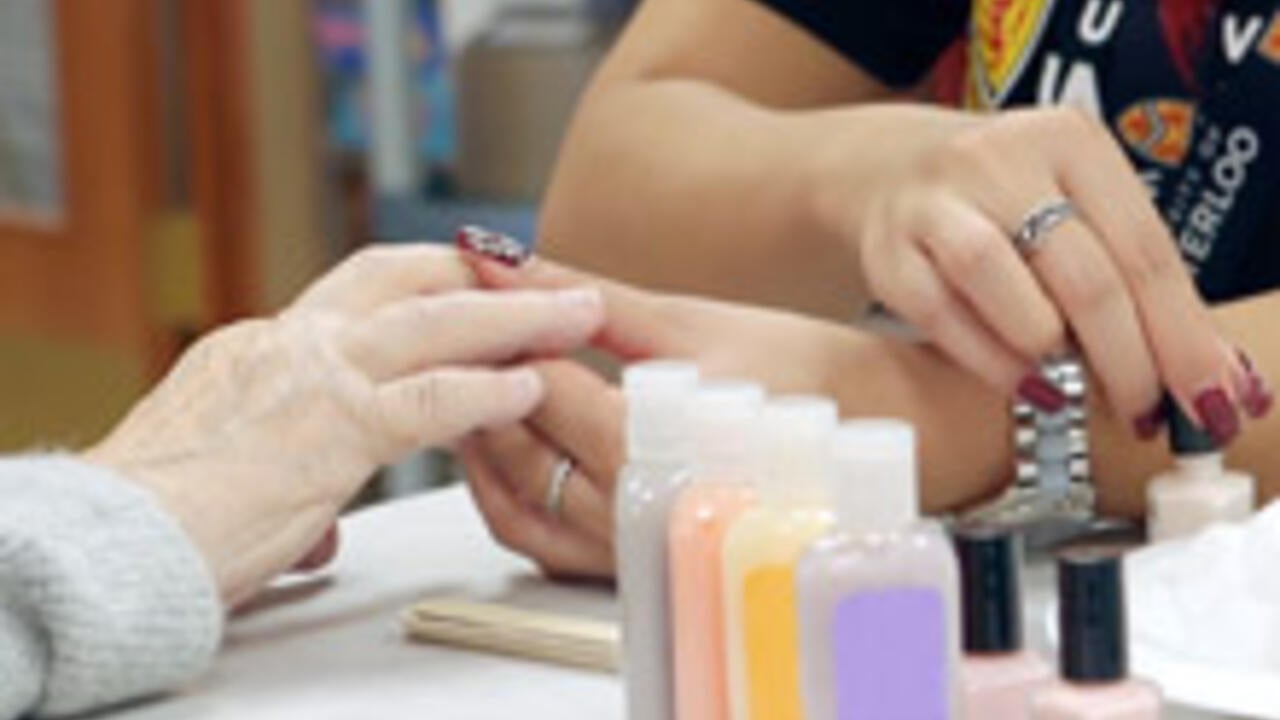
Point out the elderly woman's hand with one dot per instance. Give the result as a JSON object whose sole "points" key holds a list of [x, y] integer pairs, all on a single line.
{"points": [[265, 429]]}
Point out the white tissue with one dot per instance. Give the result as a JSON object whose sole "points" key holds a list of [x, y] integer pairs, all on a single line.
{"points": [[1204, 617]]}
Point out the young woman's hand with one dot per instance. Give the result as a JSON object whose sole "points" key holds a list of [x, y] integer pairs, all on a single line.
{"points": [[265, 429], [510, 469], [935, 241]]}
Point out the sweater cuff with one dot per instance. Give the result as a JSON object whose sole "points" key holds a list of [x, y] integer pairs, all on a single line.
{"points": [[123, 603]]}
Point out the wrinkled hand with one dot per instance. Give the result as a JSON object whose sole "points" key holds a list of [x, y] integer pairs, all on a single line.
{"points": [[509, 469], [266, 428]]}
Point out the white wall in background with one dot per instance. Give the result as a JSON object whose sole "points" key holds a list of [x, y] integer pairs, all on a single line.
{"points": [[464, 18]]}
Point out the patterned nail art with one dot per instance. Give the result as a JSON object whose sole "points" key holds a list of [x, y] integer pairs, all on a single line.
{"points": [[493, 245]]}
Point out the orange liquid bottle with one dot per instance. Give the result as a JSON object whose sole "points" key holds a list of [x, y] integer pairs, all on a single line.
{"points": [[723, 416]]}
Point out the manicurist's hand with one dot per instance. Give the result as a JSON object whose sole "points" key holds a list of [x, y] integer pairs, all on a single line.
{"points": [[936, 240], [265, 429], [510, 469]]}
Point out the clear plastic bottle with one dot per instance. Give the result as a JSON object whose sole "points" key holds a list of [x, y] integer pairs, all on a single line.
{"points": [[1199, 491], [725, 417], [659, 453], [760, 553], [878, 598]]}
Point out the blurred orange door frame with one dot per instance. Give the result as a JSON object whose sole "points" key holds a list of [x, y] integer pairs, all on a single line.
{"points": [[75, 285], [79, 274]]}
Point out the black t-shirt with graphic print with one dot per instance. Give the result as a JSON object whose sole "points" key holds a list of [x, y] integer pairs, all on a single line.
{"points": [[1191, 88]]}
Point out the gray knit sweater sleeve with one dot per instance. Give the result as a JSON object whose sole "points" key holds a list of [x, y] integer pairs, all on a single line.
{"points": [[102, 596]]}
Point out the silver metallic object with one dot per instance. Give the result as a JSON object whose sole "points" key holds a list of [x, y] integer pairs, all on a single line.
{"points": [[1052, 483], [553, 503], [1040, 224]]}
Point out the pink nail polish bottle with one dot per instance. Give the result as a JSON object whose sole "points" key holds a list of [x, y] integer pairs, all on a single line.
{"points": [[725, 418], [1199, 491], [1094, 682], [659, 453], [998, 674]]}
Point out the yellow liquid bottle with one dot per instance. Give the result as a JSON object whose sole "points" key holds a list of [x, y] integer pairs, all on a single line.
{"points": [[760, 554]]}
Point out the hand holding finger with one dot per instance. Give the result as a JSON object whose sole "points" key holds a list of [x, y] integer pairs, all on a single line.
{"points": [[558, 550], [437, 407], [386, 273], [472, 327], [545, 479]]}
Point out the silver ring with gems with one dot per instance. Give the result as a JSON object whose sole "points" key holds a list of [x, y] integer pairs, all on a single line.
{"points": [[1040, 224]]}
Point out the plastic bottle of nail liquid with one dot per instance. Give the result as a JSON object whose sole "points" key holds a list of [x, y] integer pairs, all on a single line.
{"points": [[725, 417], [1094, 667], [1199, 491], [997, 675], [878, 597], [659, 451], [760, 552]]}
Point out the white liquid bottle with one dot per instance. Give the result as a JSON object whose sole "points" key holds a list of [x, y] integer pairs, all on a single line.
{"points": [[878, 598], [659, 452], [1199, 491]]}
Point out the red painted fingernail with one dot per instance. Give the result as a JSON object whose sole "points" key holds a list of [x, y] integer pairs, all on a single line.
{"points": [[1147, 426], [492, 245], [1259, 400], [1041, 393], [1218, 415], [1255, 393]]}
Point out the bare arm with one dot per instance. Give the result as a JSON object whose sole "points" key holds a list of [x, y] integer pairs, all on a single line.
{"points": [[687, 166], [966, 430]]}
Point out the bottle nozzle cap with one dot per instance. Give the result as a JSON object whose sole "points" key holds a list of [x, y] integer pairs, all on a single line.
{"points": [[1091, 616], [658, 394], [990, 560], [1185, 436], [874, 483], [724, 415], [795, 440]]}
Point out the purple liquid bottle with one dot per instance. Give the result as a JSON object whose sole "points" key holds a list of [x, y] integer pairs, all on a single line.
{"points": [[879, 633]]}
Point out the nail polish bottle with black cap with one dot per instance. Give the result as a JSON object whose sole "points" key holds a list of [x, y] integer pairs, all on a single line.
{"points": [[1093, 653], [998, 674], [1199, 491]]}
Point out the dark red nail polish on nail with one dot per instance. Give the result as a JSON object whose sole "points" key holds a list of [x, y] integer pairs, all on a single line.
{"points": [[1041, 393], [1246, 361], [1218, 415], [1258, 399], [1147, 426], [493, 245]]}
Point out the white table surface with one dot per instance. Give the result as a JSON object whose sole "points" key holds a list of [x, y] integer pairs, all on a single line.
{"points": [[332, 648]]}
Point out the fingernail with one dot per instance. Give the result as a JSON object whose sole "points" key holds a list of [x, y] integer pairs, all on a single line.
{"points": [[495, 246], [1044, 395], [1218, 415], [1254, 391], [1259, 399], [1147, 426]]}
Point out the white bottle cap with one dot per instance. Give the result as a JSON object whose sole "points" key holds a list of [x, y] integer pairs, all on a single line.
{"points": [[724, 414], [874, 480], [794, 446], [658, 395]]}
